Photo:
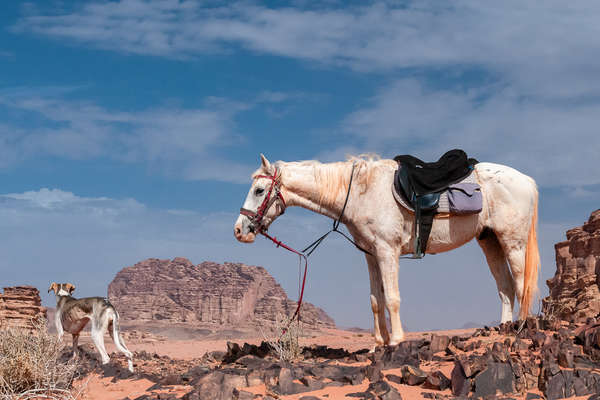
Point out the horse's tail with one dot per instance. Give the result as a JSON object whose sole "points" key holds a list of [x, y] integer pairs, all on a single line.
{"points": [[532, 264]]}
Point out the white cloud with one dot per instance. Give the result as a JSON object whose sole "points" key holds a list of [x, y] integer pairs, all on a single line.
{"points": [[525, 42], [183, 142], [555, 143]]}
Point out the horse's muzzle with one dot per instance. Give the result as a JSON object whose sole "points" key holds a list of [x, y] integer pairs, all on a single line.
{"points": [[240, 236]]}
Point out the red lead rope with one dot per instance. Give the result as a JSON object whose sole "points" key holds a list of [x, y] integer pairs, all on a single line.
{"points": [[301, 256]]}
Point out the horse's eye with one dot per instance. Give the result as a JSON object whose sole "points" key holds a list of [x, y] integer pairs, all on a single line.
{"points": [[259, 191]]}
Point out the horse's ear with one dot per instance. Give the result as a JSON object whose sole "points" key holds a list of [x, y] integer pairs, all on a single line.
{"points": [[53, 287], [266, 165]]}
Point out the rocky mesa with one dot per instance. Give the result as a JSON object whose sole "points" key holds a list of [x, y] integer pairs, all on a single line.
{"points": [[209, 295], [20, 306], [574, 292]]}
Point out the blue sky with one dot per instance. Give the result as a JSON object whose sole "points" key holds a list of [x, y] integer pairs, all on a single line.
{"points": [[128, 129]]}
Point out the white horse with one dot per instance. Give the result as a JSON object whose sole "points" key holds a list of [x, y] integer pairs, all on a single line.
{"points": [[505, 228]]}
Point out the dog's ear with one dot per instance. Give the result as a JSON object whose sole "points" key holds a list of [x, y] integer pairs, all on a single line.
{"points": [[53, 287], [70, 288]]}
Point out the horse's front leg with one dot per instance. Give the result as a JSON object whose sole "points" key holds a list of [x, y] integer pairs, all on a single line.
{"points": [[388, 267], [377, 303]]}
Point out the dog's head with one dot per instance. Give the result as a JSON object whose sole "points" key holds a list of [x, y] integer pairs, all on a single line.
{"points": [[62, 289]]}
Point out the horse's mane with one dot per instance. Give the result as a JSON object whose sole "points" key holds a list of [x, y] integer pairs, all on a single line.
{"points": [[333, 178]]}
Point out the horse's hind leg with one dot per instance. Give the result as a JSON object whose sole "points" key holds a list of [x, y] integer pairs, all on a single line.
{"points": [[496, 260], [377, 303]]}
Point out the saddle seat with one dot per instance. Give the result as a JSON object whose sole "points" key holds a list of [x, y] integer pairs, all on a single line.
{"points": [[421, 185]]}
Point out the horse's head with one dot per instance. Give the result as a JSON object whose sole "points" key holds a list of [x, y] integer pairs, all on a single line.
{"points": [[263, 204]]}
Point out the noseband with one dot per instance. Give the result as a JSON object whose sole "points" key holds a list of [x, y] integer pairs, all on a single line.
{"points": [[274, 194]]}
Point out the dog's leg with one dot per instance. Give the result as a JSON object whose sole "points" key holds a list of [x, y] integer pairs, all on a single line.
{"points": [[98, 338], [75, 341], [113, 329], [58, 324]]}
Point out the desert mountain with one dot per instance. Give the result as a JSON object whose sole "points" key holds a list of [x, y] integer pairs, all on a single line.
{"points": [[210, 296]]}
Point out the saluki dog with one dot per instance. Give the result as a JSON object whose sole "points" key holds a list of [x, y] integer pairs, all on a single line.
{"points": [[72, 315]]}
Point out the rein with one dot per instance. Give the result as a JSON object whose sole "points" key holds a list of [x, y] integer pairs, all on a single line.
{"points": [[256, 220]]}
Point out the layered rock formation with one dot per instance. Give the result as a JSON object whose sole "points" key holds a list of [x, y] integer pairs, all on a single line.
{"points": [[20, 306], [208, 294], [574, 292]]}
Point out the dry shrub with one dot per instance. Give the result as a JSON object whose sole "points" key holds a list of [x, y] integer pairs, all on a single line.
{"points": [[286, 337], [31, 365]]}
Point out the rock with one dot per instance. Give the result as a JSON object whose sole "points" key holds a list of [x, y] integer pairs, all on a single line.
{"points": [[473, 365], [20, 306], [242, 395], [394, 378], [574, 292], [519, 345], [339, 373], [460, 384], [496, 377], [532, 396], [208, 295], [565, 358], [439, 343], [436, 380], [373, 372], [413, 376]]}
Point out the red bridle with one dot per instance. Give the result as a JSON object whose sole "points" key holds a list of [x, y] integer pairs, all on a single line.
{"points": [[274, 194]]}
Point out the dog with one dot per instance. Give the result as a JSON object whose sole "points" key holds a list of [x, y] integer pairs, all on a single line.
{"points": [[72, 315]]}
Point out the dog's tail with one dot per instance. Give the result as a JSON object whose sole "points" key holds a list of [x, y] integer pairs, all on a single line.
{"points": [[117, 337]]}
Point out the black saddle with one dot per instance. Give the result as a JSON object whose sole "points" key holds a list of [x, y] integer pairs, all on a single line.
{"points": [[421, 184]]}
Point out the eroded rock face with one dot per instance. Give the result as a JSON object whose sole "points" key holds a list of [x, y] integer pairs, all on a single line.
{"points": [[20, 306], [207, 294], [574, 292]]}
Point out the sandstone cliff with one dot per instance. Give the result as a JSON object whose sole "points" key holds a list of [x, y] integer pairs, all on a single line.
{"points": [[212, 295], [20, 306], [574, 292]]}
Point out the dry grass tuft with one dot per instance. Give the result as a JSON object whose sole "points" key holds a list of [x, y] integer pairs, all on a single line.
{"points": [[286, 338], [31, 366]]}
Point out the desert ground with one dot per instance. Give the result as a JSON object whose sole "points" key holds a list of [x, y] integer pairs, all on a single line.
{"points": [[185, 369]]}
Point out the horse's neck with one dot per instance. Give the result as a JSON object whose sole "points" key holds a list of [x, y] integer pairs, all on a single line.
{"points": [[302, 188]]}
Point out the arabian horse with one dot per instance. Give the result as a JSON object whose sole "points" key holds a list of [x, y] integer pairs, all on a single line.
{"points": [[506, 228]]}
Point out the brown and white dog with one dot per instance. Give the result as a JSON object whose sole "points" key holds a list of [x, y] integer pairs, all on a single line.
{"points": [[72, 315]]}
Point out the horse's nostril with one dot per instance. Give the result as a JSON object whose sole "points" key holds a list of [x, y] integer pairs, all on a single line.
{"points": [[238, 231]]}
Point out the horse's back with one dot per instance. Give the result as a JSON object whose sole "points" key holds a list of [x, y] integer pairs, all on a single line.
{"points": [[509, 195]]}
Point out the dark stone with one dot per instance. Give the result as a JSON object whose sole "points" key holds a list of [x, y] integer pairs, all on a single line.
{"points": [[252, 362], [439, 343], [460, 384], [519, 345], [473, 365], [373, 372], [379, 388], [324, 352], [362, 395], [580, 387], [532, 396], [413, 376], [242, 395], [538, 338], [436, 380], [392, 394], [496, 377], [565, 358], [394, 378], [312, 383], [555, 387], [340, 373]]}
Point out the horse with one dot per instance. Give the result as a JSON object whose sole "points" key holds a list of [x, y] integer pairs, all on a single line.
{"points": [[505, 229]]}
